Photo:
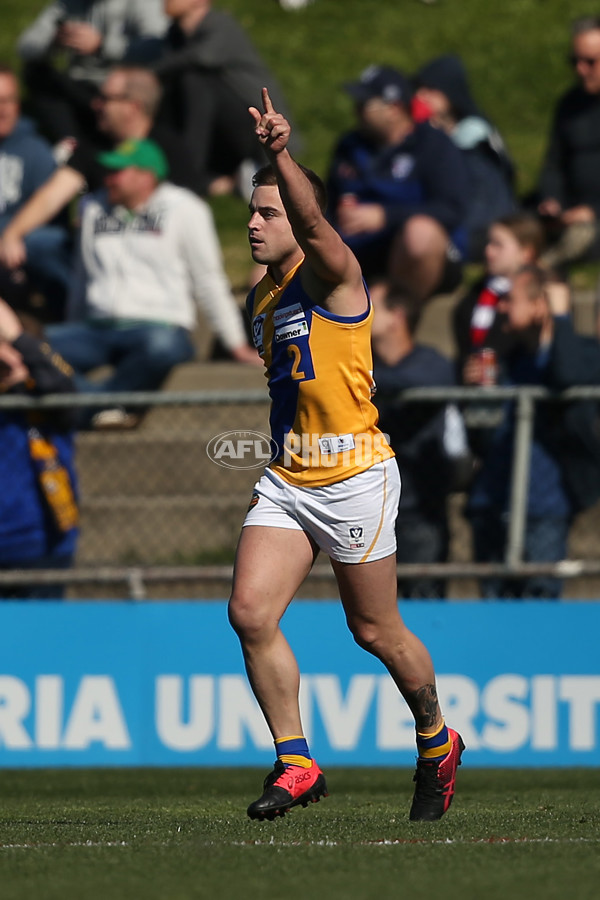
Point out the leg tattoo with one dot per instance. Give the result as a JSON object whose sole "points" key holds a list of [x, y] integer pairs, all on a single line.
{"points": [[424, 706]]}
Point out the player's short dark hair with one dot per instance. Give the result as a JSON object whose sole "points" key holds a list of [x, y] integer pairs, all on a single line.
{"points": [[266, 177]]}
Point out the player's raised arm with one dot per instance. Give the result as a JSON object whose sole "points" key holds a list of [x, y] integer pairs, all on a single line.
{"points": [[328, 258]]}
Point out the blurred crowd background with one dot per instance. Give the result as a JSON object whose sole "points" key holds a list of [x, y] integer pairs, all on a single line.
{"points": [[461, 150]]}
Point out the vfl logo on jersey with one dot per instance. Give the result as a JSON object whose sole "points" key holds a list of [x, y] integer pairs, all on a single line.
{"points": [[287, 314], [402, 166], [257, 332], [357, 537], [289, 332]]}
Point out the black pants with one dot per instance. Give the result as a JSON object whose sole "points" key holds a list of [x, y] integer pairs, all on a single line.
{"points": [[215, 123], [60, 105]]}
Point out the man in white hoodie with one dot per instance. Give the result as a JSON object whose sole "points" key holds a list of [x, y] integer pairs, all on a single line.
{"points": [[148, 252]]}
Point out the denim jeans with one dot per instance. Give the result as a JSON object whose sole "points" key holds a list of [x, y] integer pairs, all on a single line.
{"points": [[141, 355], [545, 541], [49, 267]]}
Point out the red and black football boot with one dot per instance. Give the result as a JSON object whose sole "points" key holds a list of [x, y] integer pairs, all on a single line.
{"points": [[435, 780], [288, 786]]}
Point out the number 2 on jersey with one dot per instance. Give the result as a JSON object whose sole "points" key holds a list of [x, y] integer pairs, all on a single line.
{"points": [[296, 354]]}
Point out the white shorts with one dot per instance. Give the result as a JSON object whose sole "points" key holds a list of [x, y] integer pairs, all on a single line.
{"points": [[352, 521]]}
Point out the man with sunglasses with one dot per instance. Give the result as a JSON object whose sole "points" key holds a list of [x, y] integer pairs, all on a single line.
{"points": [[569, 185]]}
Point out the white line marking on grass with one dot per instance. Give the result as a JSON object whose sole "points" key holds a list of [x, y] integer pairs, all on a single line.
{"points": [[394, 842], [325, 842], [43, 846]]}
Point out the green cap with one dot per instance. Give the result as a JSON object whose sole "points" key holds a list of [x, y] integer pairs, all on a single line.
{"points": [[141, 154]]}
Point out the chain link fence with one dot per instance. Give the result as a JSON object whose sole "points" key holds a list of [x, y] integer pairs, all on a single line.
{"points": [[160, 518]]}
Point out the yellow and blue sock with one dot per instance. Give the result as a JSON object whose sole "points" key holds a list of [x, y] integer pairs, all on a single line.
{"points": [[434, 746], [293, 751]]}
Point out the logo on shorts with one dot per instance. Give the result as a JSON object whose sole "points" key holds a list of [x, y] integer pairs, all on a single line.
{"points": [[242, 449], [356, 535], [253, 500]]}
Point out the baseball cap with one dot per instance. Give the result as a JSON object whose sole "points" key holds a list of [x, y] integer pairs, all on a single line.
{"points": [[144, 154], [380, 81]]}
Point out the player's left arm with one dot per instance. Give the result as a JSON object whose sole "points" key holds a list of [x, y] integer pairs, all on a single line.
{"points": [[332, 275]]}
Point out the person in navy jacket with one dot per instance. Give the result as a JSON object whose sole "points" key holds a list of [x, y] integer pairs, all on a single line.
{"points": [[398, 190]]}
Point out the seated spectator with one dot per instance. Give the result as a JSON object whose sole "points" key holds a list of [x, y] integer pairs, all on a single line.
{"points": [[428, 439], [212, 73], [148, 251], [38, 489], [565, 450], [26, 162], [125, 108], [443, 97], [569, 185], [91, 35], [513, 242], [398, 190]]}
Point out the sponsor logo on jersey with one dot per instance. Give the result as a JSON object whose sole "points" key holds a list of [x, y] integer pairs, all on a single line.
{"points": [[337, 443], [287, 314], [289, 332]]}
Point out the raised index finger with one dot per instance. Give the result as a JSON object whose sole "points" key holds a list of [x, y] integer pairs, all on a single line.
{"points": [[268, 105]]}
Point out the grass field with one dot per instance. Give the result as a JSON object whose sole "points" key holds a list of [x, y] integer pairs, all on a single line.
{"points": [[183, 835]]}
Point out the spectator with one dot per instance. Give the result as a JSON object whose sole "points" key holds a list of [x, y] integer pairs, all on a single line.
{"points": [[443, 97], [148, 251], [38, 505], [398, 190], [126, 107], [565, 450], [26, 162], [428, 438], [569, 185], [513, 242], [212, 74], [91, 35]]}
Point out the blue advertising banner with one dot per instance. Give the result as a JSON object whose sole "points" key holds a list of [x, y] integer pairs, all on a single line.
{"points": [[163, 684]]}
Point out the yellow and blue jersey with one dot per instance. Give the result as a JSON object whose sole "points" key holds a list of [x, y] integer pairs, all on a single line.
{"points": [[320, 375]]}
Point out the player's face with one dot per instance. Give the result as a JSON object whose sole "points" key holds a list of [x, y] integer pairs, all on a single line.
{"points": [[503, 253], [272, 241]]}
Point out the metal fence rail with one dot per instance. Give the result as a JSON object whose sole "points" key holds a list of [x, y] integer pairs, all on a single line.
{"points": [[160, 519]]}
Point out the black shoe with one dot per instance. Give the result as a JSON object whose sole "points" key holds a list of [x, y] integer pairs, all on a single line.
{"points": [[288, 786], [435, 780]]}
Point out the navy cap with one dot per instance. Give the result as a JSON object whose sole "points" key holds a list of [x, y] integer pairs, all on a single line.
{"points": [[380, 81]]}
